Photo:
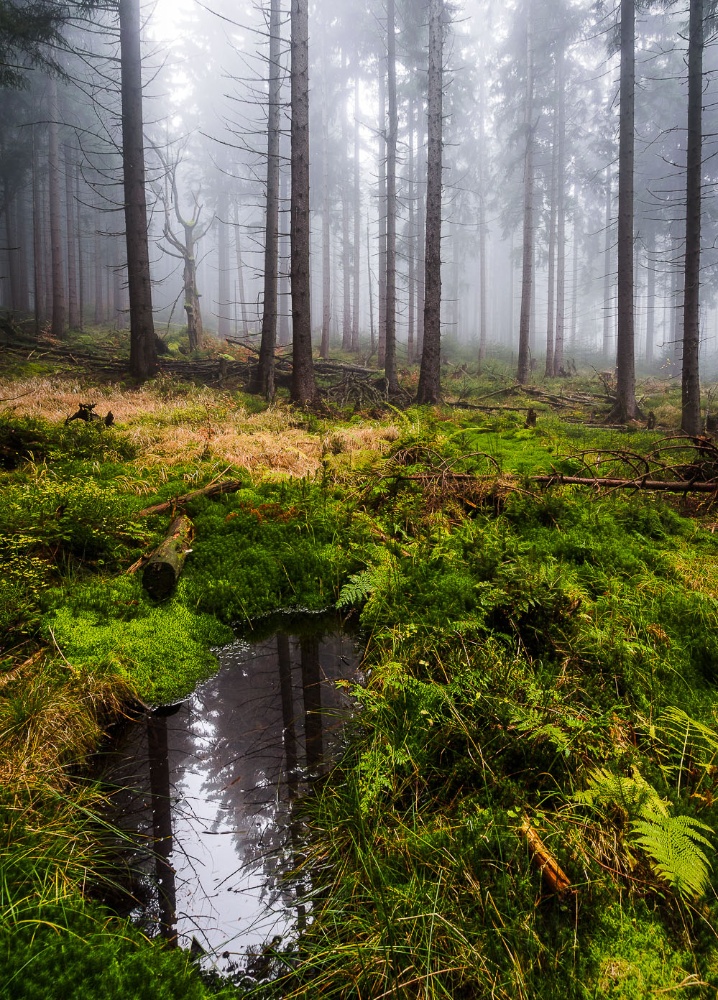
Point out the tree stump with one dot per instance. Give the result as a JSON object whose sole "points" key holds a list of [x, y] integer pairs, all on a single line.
{"points": [[165, 564]]}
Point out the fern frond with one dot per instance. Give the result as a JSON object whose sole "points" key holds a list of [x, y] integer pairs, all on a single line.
{"points": [[359, 587], [675, 846], [634, 794]]}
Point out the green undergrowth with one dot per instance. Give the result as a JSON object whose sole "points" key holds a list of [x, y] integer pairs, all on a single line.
{"points": [[540, 665]]}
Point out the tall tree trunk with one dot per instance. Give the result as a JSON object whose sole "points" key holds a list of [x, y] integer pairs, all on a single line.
{"points": [[326, 210], [574, 281], [607, 307], [420, 238], [303, 385], [284, 293], [347, 275], [392, 134], [264, 378], [195, 328], [80, 256], [381, 351], [551, 306], [357, 218], [429, 390], [73, 308], [240, 272], [372, 335], [527, 279], [650, 297], [560, 336], [625, 407], [223, 292], [690, 382], [37, 241], [411, 239], [143, 349], [99, 271], [58, 323], [482, 215]]}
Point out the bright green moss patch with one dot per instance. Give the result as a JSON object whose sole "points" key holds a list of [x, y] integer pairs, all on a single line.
{"points": [[162, 651]]}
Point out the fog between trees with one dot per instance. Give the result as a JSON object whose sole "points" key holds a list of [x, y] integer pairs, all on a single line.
{"points": [[529, 199]]}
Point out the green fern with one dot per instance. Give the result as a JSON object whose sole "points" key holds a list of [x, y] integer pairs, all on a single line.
{"points": [[633, 794], [675, 846], [359, 587]]}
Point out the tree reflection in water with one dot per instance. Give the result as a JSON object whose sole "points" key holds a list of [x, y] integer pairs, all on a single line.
{"points": [[222, 774]]}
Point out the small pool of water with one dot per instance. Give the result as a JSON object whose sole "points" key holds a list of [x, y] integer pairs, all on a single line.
{"points": [[206, 790]]}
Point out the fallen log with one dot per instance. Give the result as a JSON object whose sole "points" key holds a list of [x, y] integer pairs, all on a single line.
{"points": [[640, 483], [213, 490], [165, 564], [555, 878]]}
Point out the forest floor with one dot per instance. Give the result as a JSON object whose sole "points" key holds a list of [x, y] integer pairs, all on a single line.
{"points": [[526, 806]]}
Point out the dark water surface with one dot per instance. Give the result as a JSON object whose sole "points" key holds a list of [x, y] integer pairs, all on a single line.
{"points": [[206, 790]]}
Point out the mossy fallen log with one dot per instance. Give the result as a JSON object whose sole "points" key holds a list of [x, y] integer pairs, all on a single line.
{"points": [[213, 490], [165, 564]]}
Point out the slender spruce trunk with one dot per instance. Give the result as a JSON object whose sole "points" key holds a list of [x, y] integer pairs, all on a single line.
{"points": [[482, 217], [143, 349], [551, 306], [429, 390], [59, 307], [411, 238], [326, 219], [560, 335], [392, 135], [527, 278], [607, 285], [420, 240], [625, 408], [37, 241], [73, 308], [80, 256], [372, 333], [223, 291], [264, 378], [381, 347], [240, 272], [690, 380], [303, 384], [650, 297], [357, 220], [347, 276]]}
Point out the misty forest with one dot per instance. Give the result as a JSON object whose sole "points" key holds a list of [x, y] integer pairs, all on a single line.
{"points": [[359, 472]]}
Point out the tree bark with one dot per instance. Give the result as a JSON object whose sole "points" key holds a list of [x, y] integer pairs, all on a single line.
{"points": [[411, 240], [165, 564], [303, 384], [650, 297], [37, 241], [240, 272], [326, 220], [626, 408], [143, 350], [80, 256], [264, 378], [370, 276], [357, 218], [392, 133], [527, 279], [347, 275], [223, 292], [482, 216], [560, 335], [73, 308], [381, 347], [607, 309], [429, 390], [690, 382], [551, 306], [59, 311]]}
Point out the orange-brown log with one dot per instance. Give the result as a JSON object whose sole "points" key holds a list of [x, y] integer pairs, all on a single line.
{"points": [[555, 878]]}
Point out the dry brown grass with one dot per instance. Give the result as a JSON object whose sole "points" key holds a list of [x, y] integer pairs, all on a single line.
{"points": [[174, 424]]}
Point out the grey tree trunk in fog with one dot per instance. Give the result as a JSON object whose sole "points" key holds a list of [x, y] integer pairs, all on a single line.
{"points": [[73, 318], [80, 255], [240, 271], [551, 306], [524, 359], [284, 292], [392, 131], [420, 238], [264, 377], [650, 296], [143, 349], [357, 218], [690, 381], [429, 390], [186, 250], [482, 216], [372, 340], [381, 349], [303, 385], [347, 275], [58, 322], [560, 332], [625, 407], [37, 240], [607, 309], [411, 238], [223, 292], [326, 232]]}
